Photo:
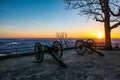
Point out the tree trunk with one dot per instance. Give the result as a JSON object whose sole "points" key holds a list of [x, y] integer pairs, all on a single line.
{"points": [[108, 45]]}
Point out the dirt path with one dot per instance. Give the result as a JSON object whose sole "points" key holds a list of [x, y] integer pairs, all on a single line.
{"points": [[86, 67]]}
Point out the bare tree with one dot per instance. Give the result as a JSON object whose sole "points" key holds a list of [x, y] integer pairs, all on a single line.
{"points": [[106, 11], [63, 38]]}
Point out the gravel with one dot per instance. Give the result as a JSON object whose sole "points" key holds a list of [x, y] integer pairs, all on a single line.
{"points": [[85, 67]]}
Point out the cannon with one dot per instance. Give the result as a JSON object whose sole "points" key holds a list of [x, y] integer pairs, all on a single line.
{"points": [[55, 50], [89, 45]]}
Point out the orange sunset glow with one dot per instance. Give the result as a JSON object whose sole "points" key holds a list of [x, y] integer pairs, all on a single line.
{"points": [[75, 33]]}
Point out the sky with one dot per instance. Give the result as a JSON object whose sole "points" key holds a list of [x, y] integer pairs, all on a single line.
{"points": [[43, 18]]}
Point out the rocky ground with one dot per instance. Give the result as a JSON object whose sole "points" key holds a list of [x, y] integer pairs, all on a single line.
{"points": [[86, 67]]}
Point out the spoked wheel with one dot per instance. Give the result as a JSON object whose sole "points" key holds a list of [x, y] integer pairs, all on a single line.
{"points": [[79, 47], [90, 44], [38, 52], [57, 49]]}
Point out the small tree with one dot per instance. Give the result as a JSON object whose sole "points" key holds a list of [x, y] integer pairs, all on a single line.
{"points": [[63, 38], [106, 11]]}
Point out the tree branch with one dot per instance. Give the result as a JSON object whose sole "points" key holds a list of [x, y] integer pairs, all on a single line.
{"points": [[78, 5], [95, 14], [114, 20], [117, 14], [99, 19], [102, 5], [115, 4], [115, 25], [100, 15]]}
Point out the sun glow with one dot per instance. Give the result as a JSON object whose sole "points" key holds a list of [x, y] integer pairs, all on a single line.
{"points": [[99, 35]]}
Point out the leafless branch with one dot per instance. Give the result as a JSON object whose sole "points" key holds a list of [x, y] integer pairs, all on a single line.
{"points": [[115, 14], [115, 4], [115, 25], [102, 5], [99, 19]]}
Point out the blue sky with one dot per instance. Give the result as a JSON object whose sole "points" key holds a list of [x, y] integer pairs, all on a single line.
{"points": [[42, 18]]}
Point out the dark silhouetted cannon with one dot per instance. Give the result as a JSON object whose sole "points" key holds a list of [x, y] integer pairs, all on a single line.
{"points": [[55, 50]]}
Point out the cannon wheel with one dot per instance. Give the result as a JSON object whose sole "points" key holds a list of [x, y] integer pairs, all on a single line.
{"points": [[92, 45], [38, 52], [79, 47], [58, 49]]}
